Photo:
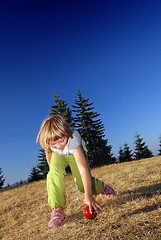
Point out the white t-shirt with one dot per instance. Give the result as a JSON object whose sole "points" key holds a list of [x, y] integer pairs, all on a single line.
{"points": [[72, 144]]}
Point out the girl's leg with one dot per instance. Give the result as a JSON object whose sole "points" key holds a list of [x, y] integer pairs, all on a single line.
{"points": [[55, 181], [97, 185]]}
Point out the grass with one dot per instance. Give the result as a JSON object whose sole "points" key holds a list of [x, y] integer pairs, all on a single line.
{"points": [[134, 214]]}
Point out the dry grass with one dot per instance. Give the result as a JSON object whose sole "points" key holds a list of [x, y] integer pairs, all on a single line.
{"points": [[134, 214]]}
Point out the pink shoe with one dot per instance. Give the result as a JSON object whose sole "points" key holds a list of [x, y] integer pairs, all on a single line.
{"points": [[57, 217], [108, 191]]}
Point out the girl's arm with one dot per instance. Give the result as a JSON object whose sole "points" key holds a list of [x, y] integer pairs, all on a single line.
{"points": [[86, 179], [48, 153]]}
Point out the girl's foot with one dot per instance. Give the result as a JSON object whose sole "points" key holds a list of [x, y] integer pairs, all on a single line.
{"points": [[108, 191], [57, 217]]}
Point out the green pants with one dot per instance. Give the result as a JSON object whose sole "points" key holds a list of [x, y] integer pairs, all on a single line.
{"points": [[55, 180]]}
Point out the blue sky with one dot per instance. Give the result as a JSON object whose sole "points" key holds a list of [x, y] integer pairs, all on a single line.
{"points": [[110, 50]]}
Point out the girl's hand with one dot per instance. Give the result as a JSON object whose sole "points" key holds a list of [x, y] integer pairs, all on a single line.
{"points": [[91, 202], [86, 179]]}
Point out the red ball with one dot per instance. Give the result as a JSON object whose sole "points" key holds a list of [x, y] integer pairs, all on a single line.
{"points": [[87, 213]]}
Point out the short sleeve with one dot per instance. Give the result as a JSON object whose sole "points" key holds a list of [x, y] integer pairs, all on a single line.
{"points": [[74, 142]]}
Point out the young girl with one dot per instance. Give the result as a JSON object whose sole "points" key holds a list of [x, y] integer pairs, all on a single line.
{"points": [[65, 147]]}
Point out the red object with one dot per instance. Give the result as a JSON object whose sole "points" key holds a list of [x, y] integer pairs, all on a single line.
{"points": [[87, 213]]}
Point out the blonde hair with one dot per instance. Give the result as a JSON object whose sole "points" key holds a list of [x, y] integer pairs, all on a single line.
{"points": [[53, 128]]}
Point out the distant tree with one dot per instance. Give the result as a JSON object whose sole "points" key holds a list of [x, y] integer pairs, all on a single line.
{"points": [[92, 131], [21, 182], [141, 150], [61, 108], [2, 180], [159, 146], [128, 152], [125, 154], [120, 157], [34, 175], [42, 165]]}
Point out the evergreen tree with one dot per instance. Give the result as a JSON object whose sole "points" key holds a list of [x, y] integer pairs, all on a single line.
{"points": [[141, 150], [42, 165], [21, 182], [159, 146], [2, 180], [120, 157], [34, 175], [61, 108], [92, 131], [125, 154]]}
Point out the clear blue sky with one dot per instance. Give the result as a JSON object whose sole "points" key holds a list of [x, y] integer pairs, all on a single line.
{"points": [[110, 50]]}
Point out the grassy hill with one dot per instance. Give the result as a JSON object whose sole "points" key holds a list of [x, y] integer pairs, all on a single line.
{"points": [[135, 213]]}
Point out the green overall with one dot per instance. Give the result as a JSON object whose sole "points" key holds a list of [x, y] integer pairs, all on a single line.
{"points": [[55, 179]]}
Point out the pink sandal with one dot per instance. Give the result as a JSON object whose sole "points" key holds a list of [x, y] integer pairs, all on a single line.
{"points": [[57, 217], [108, 191]]}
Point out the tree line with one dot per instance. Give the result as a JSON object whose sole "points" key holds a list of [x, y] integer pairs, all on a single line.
{"points": [[86, 121]]}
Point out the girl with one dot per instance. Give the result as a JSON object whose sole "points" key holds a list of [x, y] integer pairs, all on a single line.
{"points": [[65, 147]]}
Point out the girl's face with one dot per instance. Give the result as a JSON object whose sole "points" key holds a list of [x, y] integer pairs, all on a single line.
{"points": [[60, 143]]}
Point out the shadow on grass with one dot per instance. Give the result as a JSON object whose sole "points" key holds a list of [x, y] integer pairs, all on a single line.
{"points": [[147, 191], [145, 209], [75, 217], [141, 192]]}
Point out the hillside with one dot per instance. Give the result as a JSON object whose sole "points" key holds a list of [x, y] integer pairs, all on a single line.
{"points": [[135, 213]]}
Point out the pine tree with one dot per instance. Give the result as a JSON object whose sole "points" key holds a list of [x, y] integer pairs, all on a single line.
{"points": [[34, 175], [2, 180], [120, 157], [128, 153], [141, 150], [42, 165], [159, 146], [125, 154], [21, 182], [61, 108], [92, 131]]}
